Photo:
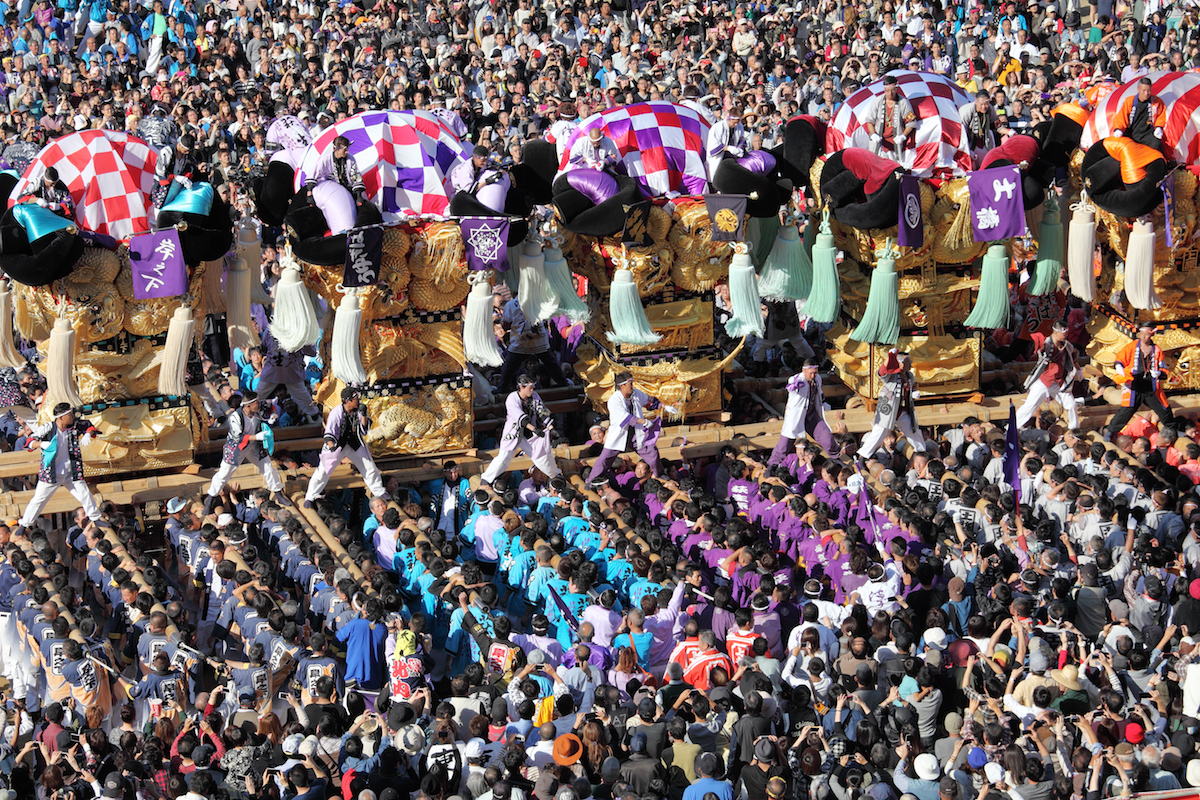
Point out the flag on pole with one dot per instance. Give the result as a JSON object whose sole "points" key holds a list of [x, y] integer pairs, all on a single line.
{"points": [[485, 240], [911, 232], [727, 214], [562, 609], [364, 257], [1012, 453], [637, 225], [156, 260], [997, 207]]}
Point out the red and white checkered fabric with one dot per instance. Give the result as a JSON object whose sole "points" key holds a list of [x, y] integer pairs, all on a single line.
{"points": [[1179, 91], [110, 176], [405, 158], [940, 146], [661, 144]]}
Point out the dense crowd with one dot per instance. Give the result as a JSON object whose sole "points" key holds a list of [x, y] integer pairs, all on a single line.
{"points": [[898, 627]]}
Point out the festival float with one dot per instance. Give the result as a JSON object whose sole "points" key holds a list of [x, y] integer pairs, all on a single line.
{"points": [[1141, 204], [625, 258], [114, 341], [913, 273]]}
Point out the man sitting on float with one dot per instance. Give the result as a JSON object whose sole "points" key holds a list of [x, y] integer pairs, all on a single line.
{"points": [[892, 122]]}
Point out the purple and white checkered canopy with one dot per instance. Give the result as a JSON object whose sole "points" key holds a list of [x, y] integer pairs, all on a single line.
{"points": [[405, 158], [661, 144]]}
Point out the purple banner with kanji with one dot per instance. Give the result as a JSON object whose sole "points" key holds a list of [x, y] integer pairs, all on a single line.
{"points": [[912, 226], [486, 242], [156, 260], [997, 208]]}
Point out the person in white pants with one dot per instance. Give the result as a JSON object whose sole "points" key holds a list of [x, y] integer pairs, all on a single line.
{"points": [[895, 408], [346, 437], [526, 415], [62, 464], [1053, 376], [244, 442], [281, 368]]}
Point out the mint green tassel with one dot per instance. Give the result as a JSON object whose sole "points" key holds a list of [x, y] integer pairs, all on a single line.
{"points": [[558, 279], [787, 274], [760, 235], [825, 300], [1050, 250], [880, 323], [991, 305], [745, 303], [626, 313]]}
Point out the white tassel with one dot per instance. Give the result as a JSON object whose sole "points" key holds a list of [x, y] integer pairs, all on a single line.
{"points": [[479, 331], [294, 324], [9, 357], [625, 312], [237, 307], [249, 249], [538, 302], [1139, 267], [60, 372], [346, 354], [214, 291], [172, 374], [558, 276], [1081, 250]]}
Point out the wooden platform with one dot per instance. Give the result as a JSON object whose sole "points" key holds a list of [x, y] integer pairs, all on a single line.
{"points": [[676, 442]]}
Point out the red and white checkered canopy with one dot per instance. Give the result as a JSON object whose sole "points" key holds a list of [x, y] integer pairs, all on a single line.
{"points": [[1180, 93], [940, 148], [110, 176]]}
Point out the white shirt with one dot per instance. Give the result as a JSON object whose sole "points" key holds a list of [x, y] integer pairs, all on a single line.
{"points": [[448, 518], [623, 415], [594, 155]]}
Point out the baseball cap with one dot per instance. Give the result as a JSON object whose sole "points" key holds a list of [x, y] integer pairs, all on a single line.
{"points": [[114, 785]]}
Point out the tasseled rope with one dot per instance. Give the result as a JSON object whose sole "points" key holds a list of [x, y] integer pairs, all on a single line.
{"points": [[237, 307], [629, 323], [745, 304], [9, 357], [1050, 249], [761, 234], [1081, 249], [880, 323], [1139, 267], [345, 350], [172, 375], [787, 274], [294, 324], [249, 248], [60, 373], [538, 302], [991, 306], [825, 300], [479, 332], [559, 281]]}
